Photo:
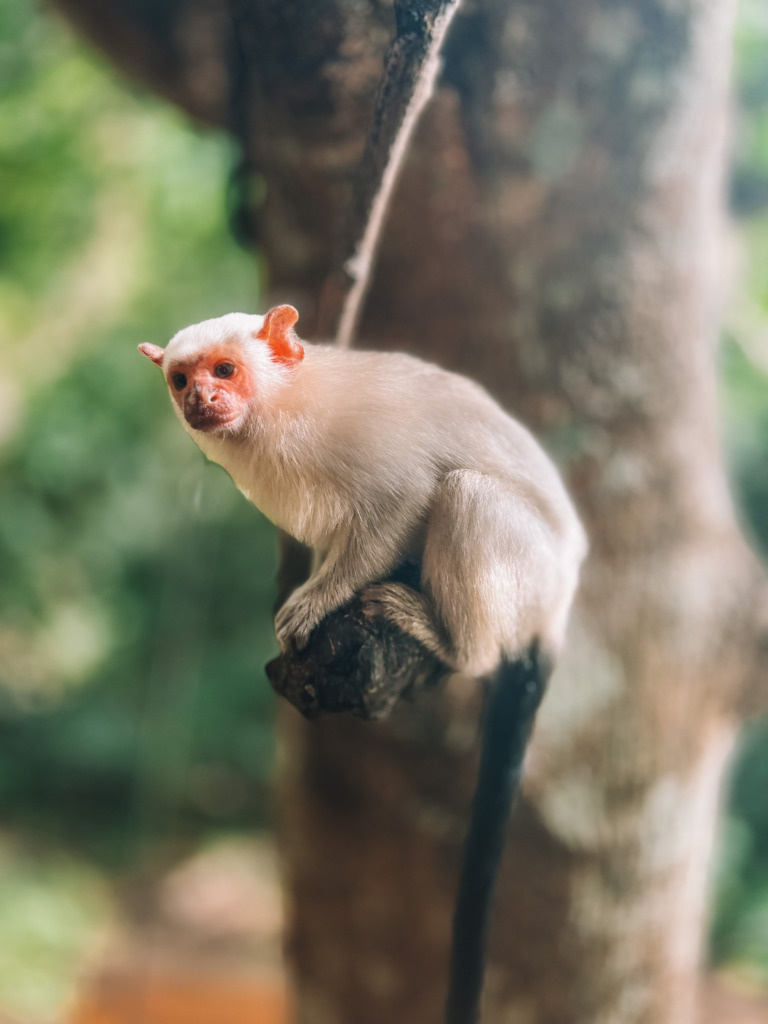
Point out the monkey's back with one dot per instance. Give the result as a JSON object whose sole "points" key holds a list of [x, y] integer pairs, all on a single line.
{"points": [[396, 426]]}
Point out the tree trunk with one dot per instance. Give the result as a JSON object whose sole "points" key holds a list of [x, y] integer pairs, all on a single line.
{"points": [[557, 236]]}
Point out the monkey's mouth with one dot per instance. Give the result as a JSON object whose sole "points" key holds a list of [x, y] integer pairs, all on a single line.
{"points": [[209, 421]]}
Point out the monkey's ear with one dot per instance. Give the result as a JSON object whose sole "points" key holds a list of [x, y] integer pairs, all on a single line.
{"points": [[153, 352], [277, 331]]}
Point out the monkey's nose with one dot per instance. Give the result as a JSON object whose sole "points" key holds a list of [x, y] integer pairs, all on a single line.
{"points": [[205, 396]]}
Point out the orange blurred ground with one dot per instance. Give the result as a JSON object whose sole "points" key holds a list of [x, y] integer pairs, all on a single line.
{"points": [[187, 999], [184, 1000]]}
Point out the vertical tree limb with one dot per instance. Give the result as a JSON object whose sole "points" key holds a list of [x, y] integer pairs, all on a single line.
{"points": [[407, 83]]}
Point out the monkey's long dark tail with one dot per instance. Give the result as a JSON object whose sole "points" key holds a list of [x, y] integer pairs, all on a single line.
{"points": [[514, 698]]}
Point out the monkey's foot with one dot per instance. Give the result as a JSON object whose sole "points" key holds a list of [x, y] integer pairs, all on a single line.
{"points": [[410, 611], [295, 621]]}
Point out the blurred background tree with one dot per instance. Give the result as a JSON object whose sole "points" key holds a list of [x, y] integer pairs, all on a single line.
{"points": [[134, 716]]}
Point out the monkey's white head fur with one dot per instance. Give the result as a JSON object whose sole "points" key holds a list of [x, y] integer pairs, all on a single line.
{"points": [[220, 371], [190, 342]]}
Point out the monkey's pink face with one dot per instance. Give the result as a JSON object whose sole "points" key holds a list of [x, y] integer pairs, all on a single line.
{"points": [[211, 368], [213, 390]]}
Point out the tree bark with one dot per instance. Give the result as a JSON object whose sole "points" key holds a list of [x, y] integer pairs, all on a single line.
{"points": [[556, 235]]}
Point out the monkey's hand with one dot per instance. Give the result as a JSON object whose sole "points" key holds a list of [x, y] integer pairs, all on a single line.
{"points": [[344, 571], [299, 615]]}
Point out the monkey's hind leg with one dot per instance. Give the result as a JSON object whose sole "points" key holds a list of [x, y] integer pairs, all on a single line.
{"points": [[411, 612], [489, 570]]}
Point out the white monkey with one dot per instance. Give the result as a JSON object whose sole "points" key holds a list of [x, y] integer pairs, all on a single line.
{"points": [[376, 458], [372, 458]]}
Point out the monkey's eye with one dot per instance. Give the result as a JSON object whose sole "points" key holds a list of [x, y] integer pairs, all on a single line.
{"points": [[179, 381], [224, 370]]}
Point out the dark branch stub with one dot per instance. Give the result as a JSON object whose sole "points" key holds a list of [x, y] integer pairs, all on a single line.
{"points": [[355, 664]]}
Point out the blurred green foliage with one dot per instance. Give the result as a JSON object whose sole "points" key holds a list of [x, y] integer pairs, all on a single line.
{"points": [[750, 173], [51, 908], [135, 582], [740, 926]]}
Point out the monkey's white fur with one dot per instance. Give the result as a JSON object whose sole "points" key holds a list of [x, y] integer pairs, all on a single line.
{"points": [[372, 458]]}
